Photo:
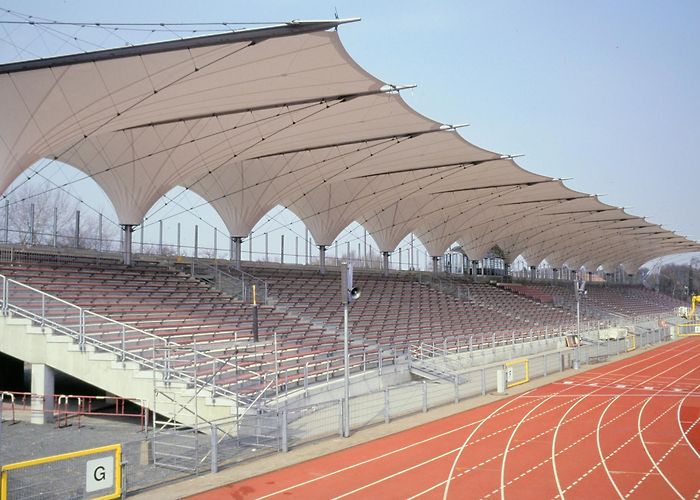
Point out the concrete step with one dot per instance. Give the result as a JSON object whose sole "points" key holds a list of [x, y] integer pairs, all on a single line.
{"points": [[102, 356], [17, 321], [21, 339], [125, 365], [59, 339], [77, 348]]}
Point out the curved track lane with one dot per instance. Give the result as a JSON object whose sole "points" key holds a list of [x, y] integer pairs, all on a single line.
{"points": [[627, 429]]}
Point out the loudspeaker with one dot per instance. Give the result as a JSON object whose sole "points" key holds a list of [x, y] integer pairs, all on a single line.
{"points": [[348, 293]]}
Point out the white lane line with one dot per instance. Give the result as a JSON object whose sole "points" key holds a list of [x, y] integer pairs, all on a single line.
{"points": [[655, 465], [665, 359], [583, 438], [610, 455], [495, 457], [385, 455], [653, 462], [645, 360], [510, 440], [651, 470], [391, 476], [561, 422], [683, 432], [660, 393], [571, 445], [639, 362], [489, 460], [600, 449], [466, 441], [663, 457], [369, 460], [631, 376]]}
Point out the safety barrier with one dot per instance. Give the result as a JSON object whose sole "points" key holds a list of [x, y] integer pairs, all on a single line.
{"points": [[67, 407], [93, 473]]}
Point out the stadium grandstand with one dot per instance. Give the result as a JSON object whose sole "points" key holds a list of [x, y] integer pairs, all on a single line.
{"points": [[282, 116]]}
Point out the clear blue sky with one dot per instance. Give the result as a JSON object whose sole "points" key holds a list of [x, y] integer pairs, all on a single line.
{"points": [[605, 92]]}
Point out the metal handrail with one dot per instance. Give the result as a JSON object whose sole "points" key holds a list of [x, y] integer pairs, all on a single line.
{"points": [[124, 354], [241, 278], [262, 287]]}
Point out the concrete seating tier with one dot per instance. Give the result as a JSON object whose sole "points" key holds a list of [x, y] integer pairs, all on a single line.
{"points": [[612, 299], [397, 310], [173, 306], [529, 292]]}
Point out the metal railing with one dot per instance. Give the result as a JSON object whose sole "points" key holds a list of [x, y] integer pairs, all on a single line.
{"points": [[126, 342], [449, 358], [228, 279], [70, 407], [234, 282]]}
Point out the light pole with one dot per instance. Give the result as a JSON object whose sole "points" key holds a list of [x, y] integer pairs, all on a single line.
{"points": [[348, 293], [579, 289]]}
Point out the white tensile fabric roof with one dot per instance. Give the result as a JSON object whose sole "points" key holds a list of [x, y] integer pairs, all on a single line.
{"points": [[283, 116]]}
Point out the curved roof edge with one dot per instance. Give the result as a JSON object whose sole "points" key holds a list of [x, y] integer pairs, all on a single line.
{"points": [[241, 35]]}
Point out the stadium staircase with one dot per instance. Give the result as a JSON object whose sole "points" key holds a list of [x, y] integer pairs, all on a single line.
{"points": [[128, 330], [434, 363]]}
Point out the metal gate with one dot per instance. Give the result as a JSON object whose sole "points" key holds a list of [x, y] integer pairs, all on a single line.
{"points": [[261, 427]]}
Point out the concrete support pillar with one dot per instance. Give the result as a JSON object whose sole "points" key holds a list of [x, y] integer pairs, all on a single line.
{"points": [[573, 274], [590, 276], [385, 263], [506, 269], [128, 233], [475, 267], [555, 273], [436, 267], [322, 258], [533, 273], [630, 278], [236, 250], [42, 393]]}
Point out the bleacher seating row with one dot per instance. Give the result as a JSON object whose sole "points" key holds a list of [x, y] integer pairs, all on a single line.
{"points": [[397, 310], [173, 306], [305, 316], [602, 300]]}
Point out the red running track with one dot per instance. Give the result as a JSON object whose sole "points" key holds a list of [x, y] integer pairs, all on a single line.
{"points": [[627, 429]]}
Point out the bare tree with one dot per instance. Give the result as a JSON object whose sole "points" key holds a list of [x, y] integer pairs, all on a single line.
{"points": [[39, 214]]}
